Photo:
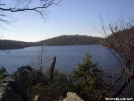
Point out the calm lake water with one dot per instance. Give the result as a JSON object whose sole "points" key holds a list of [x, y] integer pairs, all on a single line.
{"points": [[67, 57]]}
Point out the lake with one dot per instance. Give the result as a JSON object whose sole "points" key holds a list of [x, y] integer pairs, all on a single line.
{"points": [[67, 57]]}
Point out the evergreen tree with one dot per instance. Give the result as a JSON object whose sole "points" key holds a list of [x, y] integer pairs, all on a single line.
{"points": [[88, 79]]}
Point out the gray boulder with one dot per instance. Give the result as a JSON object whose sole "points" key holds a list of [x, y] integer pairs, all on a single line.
{"points": [[72, 97], [12, 90]]}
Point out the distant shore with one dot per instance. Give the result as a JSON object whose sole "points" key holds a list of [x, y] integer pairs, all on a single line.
{"points": [[64, 40]]}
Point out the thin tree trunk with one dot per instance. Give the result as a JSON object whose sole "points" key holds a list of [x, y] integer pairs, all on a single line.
{"points": [[52, 70]]}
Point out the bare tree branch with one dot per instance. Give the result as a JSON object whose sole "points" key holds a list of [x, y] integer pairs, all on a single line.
{"points": [[38, 6], [122, 41]]}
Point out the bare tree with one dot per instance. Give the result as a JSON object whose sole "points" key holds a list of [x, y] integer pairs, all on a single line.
{"points": [[40, 63], [12, 6], [119, 35]]}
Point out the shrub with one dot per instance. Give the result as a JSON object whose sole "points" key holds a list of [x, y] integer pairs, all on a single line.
{"points": [[3, 73]]}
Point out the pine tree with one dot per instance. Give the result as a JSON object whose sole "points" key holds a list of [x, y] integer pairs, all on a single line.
{"points": [[88, 79]]}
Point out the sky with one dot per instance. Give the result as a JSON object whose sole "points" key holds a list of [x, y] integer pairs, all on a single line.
{"points": [[71, 17]]}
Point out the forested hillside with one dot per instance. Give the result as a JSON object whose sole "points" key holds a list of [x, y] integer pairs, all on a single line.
{"points": [[72, 40], [123, 38], [60, 40], [11, 44]]}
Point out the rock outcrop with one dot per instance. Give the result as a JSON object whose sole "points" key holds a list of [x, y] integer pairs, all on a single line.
{"points": [[72, 97], [12, 90]]}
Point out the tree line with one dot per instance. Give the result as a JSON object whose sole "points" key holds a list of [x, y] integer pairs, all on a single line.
{"points": [[61, 40], [124, 37], [11, 44], [72, 40]]}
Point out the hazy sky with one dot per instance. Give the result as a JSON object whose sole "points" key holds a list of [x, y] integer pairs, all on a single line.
{"points": [[71, 17]]}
